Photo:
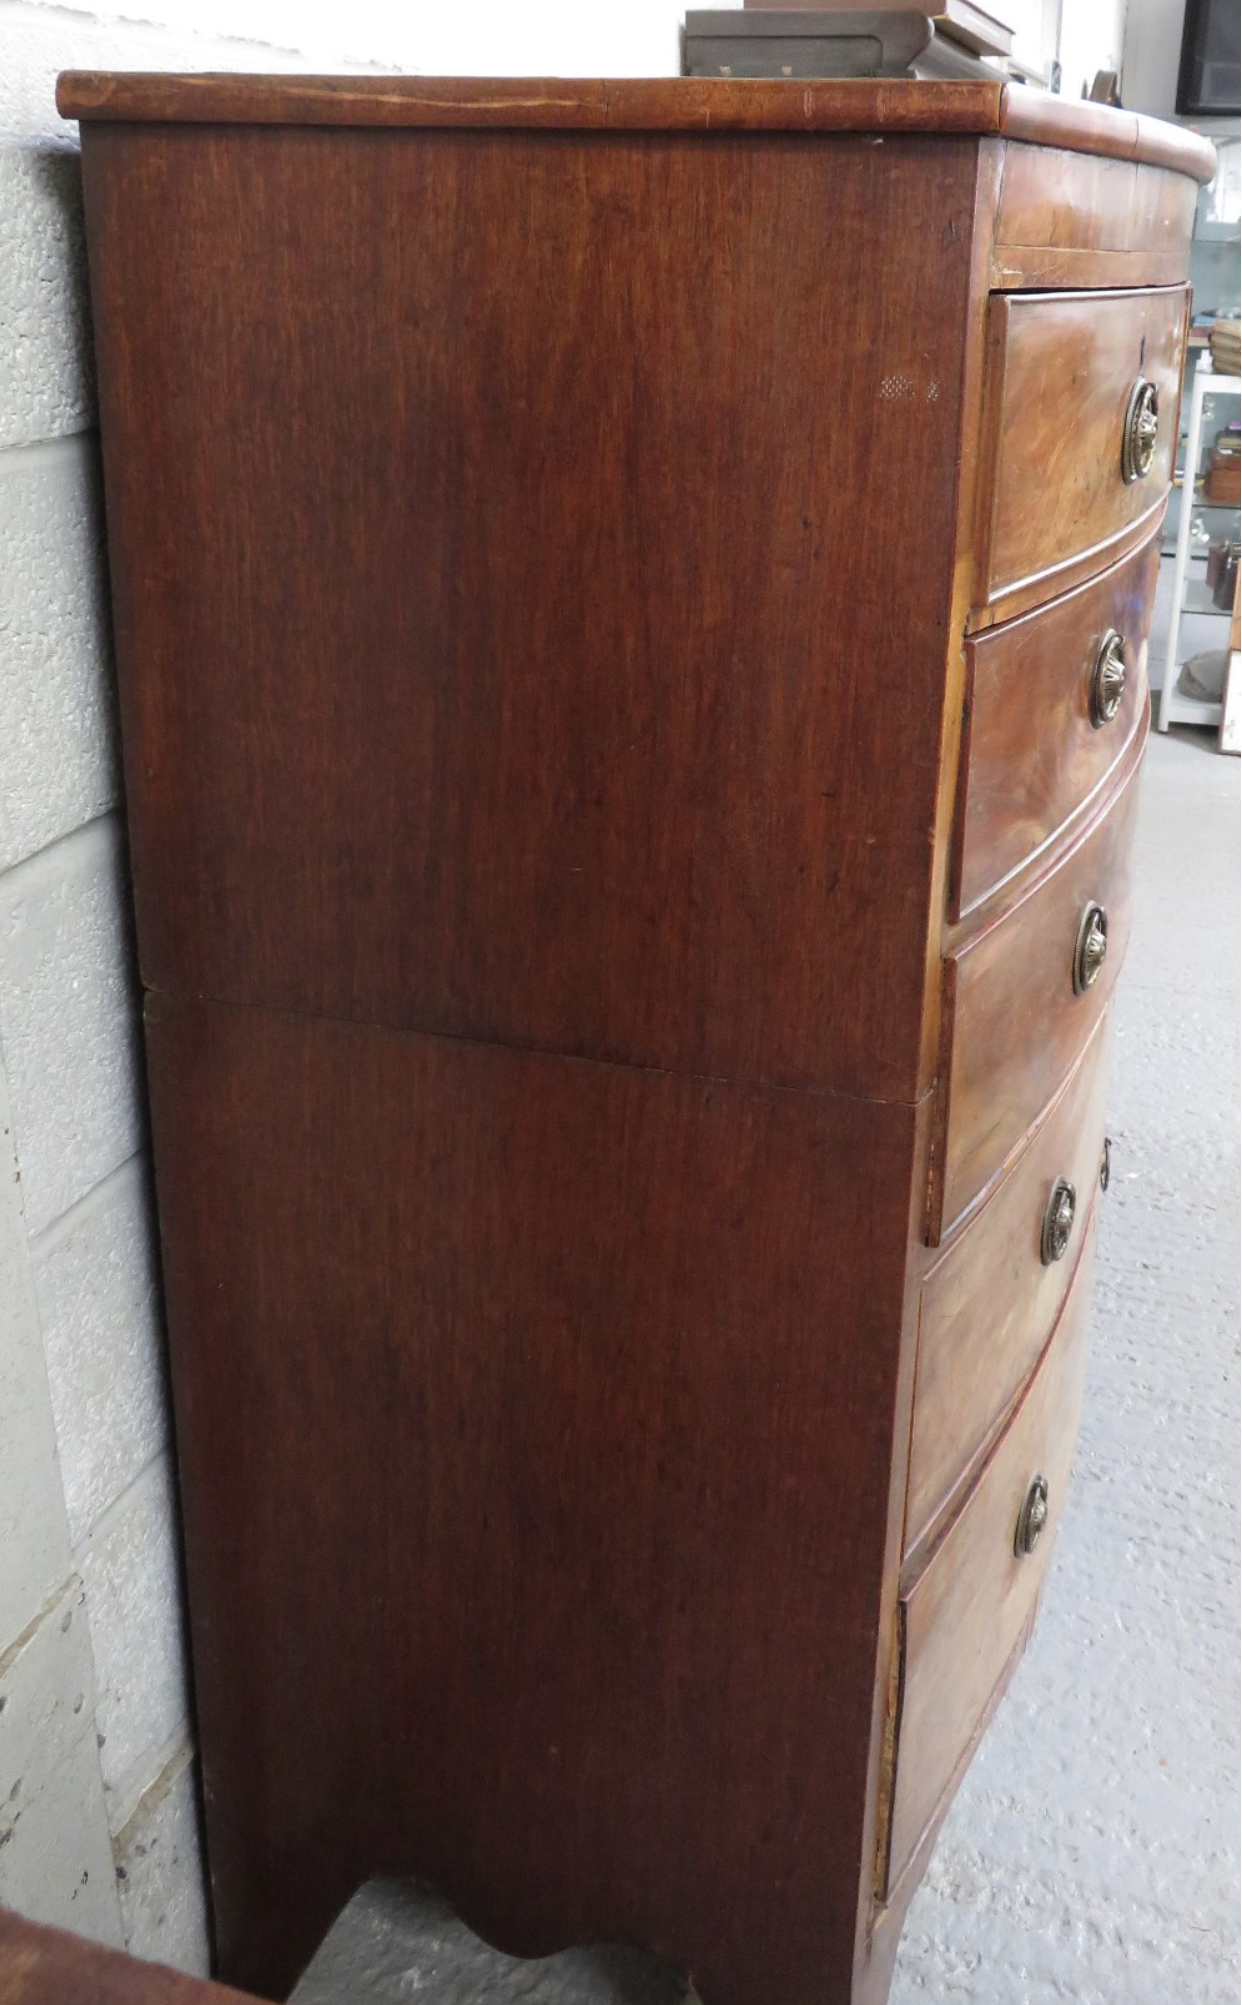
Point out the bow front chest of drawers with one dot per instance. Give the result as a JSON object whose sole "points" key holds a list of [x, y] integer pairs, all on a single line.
{"points": [[630, 605]]}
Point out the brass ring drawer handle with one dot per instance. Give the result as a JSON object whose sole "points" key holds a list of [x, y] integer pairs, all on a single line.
{"points": [[1032, 1517], [1090, 948], [1108, 680], [1138, 441], [1058, 1222]]}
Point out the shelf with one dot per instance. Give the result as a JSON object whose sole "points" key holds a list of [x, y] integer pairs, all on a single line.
{"points": [[1169, 549], [1191, 598], [1196, 594], [1210, 507], [1181, 709]]}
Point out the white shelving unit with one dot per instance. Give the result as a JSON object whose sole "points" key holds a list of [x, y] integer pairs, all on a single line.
{"points": [[1190, 594]]}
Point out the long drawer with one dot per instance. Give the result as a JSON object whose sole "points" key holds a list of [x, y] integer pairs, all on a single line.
{"points": [[1073, 379], [966, 1618], [1052, 701], [989, 1302], [1022, 998]]}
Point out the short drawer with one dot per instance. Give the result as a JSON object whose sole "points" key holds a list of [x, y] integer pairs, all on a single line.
{"points": [[968, 1614], [1072, 475], [989, 1303], [1022, 998], [1062, 213], [1053, 699]]}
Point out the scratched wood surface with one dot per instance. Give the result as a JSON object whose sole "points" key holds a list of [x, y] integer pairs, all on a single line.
{"points": [[655, 103], [1075, 219], [651, 104]]}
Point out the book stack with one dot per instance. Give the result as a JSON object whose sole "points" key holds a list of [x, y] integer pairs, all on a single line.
{"points": [[837, 38], [1223, 483], [1225, 341]]}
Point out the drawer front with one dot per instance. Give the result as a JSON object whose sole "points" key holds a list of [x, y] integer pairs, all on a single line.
{"points": [[1068, 219], [1064, 371], [968, 1614], [1022, 1002], [1053, 699], [989, 1303]]}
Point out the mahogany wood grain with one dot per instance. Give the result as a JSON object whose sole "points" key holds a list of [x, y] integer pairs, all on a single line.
{"points": [[543, 522], [571, 742], [968, 1612], [1014, 1026], [534, 1458], [618, 104], [664, 103], [1032, 758], [989, 1302], [1063, 369], [47, 1966], [1067, 219], [1050, 121], [1048, 267]]}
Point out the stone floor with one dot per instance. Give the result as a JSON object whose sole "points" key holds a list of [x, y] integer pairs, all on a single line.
{"points": [[1092, 1854]]}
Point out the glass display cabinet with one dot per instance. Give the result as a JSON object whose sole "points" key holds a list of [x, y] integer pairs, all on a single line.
{"points": [[1208, 522]]}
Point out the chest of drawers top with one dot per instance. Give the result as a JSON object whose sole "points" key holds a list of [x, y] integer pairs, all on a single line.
{"points": [[635, 104]]}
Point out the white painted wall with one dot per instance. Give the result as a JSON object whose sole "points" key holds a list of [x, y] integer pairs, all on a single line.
{"points": [[1092, 38], [97, 1810], [1153, 47]]}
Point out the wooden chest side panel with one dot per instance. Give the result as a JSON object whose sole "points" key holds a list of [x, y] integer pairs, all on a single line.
{"points": [[572, 531], [535, 1422]]}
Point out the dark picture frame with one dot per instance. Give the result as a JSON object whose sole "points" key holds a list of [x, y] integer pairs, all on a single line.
{"points": [[1209, 77]]}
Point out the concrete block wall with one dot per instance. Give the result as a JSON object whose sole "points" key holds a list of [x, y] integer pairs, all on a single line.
{"points": [[98, 1821], [98, 1806]]}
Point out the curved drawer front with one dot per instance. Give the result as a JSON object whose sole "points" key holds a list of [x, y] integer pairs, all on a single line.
{"points": [[992, 1298], [1019, 1013], [1064, 371], [967, 1616], [1061, 211], [1052, 701]]}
